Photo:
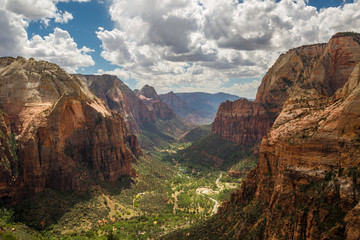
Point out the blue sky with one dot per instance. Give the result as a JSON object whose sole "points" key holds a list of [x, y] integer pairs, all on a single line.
{"points": [[179, 45]]}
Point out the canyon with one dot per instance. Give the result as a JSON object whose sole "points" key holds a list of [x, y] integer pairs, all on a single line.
{"points": [[77, 132], [55, 133], [306, 184]]}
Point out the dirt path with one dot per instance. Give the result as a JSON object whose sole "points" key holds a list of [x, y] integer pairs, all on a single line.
{"points": [[176, 194], [208, 191]]}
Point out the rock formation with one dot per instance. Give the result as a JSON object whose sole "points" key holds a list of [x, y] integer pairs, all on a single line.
{"points": [[246, 122], [55, 133], [324, 67], [120, 98], [306, 184], [176, 103], [156, 106]]}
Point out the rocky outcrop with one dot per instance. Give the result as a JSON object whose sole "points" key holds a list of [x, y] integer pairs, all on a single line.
{"points": [[156, 106], [63, 136], [120, 98], [322, 67], [246, 122], [307, 182], [242, 121]]}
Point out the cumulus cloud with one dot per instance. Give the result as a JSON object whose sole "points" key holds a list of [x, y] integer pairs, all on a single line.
{"points": [[63, 17], [247, 90], [153, 41], [58, 47]]}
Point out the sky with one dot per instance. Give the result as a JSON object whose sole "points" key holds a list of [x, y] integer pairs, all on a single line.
{"points": [[173, 45]]}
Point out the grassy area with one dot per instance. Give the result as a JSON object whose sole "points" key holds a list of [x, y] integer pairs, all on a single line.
{"points": [[212, 152], [197, 133], [161, 133], [175, 187]]}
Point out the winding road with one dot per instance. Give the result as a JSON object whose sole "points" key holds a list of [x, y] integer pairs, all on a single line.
{"points": [[208, 191]]}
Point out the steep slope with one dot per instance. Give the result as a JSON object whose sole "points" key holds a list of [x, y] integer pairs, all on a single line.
{"points": [[156, 106], [60, 135], [306, 184], [167, 125], [120, 98], [324, 67], [246, 122]]}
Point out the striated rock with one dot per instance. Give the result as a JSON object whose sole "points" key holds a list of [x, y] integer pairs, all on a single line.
{"points": [[64, 135], [307, 182], [242, 121], [246, 122], [156, 106], [324, 68], [120, 98]]}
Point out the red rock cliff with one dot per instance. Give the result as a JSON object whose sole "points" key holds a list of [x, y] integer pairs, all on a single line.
{"points": [[246, 122], [323, 67], [65, 136], [120, 98], [155, 105], [307, 182]]}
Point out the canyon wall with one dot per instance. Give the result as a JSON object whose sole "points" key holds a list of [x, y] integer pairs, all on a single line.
{"points": [[120, 98], [307, 182], [56, 133], [156, 106]]}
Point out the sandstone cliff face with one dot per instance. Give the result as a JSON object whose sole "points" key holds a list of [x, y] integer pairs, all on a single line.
{"points": [[311, 159], [156, 106], [65, 136], [321, 67], [120, 98], [242, 121], [246, 122], [307, 182]]}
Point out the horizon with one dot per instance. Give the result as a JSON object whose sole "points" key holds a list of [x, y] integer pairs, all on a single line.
{"points": [[180, 46]]}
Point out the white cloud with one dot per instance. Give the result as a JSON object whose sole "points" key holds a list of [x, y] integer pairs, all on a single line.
{"points": [[63, 17], [247, 90], [32, 9], [58, 47], [153, 40]]}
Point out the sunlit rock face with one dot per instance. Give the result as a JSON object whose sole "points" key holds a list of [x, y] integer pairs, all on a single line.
{"points": [[120, 98], [56, 133], [322, 67], [307, 182]]}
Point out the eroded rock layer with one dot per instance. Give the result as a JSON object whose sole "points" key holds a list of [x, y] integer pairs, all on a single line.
{"points": [[322, 67], [58, 134], [307, 182], [156, 106], [120, 98]]}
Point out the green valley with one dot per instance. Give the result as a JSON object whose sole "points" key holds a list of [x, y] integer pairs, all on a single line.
{"points": [[171, 191]]}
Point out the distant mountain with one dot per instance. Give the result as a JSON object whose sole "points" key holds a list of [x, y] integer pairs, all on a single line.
{"points": [[197, 107], [177, 104], [167, 127], [144, 112], [155, 105]]}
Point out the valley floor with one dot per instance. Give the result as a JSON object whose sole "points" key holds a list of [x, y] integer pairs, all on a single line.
{"points": [[165, 196]]}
